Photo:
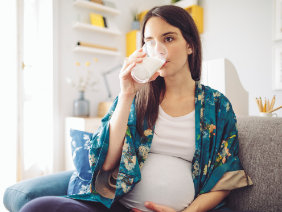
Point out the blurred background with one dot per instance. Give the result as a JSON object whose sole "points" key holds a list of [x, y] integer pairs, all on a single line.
{"points": [[60, 62]]}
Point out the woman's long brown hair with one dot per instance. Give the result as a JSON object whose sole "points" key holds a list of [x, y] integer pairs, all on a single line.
{"points": [[150, 96]]}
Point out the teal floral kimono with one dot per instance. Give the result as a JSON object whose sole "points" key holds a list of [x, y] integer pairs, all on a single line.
{"points": [[215, 164]]}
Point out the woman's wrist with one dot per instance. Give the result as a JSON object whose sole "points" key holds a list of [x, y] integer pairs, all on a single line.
{"points": [[124, 95], [191, 208]]}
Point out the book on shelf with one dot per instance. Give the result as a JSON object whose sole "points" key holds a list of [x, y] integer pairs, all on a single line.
{"points": [[105, 22], [97, 1], [98, 20], [91, 45]]}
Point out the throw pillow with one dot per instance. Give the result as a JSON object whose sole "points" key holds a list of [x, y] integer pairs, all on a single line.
{"points": [[81, 178]]}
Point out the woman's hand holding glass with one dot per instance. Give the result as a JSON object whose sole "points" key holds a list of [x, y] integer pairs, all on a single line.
{"points": [[156, 55], [134, 73], [127, 85]]}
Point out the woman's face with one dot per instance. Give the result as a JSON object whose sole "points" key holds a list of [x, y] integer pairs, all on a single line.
{"points": [[160, 31]]}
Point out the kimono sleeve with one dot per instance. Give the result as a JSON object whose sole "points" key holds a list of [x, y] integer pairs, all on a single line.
{"points": [[98, 152], [113, 183], [100, 140], [228, 173]]}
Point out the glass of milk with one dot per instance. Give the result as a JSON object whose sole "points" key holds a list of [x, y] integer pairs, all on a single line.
{"points": [[155, 58]]}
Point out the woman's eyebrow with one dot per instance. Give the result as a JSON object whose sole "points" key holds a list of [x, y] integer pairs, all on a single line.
{"points": [[168, 33], [164, 34]]}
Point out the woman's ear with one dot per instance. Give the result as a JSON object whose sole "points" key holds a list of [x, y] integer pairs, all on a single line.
{"points": [[189, 49]]}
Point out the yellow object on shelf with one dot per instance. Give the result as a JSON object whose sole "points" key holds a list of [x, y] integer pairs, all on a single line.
{"points": [[132, 41], [97, 20], [197, 14], [141, 15]]}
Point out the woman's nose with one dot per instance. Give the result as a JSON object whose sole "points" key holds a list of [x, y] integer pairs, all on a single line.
{"points": [[160, 48]]}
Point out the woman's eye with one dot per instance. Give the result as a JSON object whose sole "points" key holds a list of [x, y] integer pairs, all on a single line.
{"points": [[150, 42], [168, 39]]}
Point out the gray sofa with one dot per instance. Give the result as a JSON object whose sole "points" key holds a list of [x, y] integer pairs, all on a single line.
{"points": [[260, 153]]}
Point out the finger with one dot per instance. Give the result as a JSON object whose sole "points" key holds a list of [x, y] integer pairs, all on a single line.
{"points": [[137, 53], [152, 206], [154, 76], [137, 60], [135, 210], [127, 63], [138, 56], [127, 70]]}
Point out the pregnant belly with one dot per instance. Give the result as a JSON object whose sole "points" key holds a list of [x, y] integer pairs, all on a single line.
{"points": [[166, 180]]}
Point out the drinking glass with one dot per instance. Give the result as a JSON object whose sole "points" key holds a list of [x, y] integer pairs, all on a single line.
{"points": [[155, 58]]}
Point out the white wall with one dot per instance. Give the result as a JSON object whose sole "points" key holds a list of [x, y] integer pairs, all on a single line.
{"points": [[241, 31]]}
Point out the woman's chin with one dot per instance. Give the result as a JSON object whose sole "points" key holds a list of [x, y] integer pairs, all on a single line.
{"points": [[163, 72]]}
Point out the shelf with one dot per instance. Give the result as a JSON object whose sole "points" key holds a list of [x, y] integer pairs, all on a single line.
{"points": [[96, 6], [95, 51], [96, 28]]}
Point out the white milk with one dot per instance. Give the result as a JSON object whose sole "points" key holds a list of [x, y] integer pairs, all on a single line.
{"points": [[142, 72]]}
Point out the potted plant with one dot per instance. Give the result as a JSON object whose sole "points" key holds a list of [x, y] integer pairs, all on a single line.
{"points": [[174, 1], [135, 25], [184, 3]]}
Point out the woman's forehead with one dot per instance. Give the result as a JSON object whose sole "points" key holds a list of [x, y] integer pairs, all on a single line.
{"points": [[156, 27]]}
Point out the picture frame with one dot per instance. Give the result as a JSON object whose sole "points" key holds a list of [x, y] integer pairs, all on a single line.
{"points": [[278, 20], [277, 69]]}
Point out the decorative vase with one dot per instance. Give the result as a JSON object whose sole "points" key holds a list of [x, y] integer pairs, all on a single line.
{"points": [[81, 106], [135, 25]]}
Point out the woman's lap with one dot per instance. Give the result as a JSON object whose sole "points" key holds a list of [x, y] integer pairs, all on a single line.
{"points": [[61, 204]]}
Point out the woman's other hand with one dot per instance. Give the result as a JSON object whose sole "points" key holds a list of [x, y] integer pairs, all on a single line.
{"points": [[127, 84], [155, 207]]}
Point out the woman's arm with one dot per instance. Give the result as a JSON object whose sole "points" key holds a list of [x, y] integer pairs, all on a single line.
{"points": [[119, 119], [202, 203], [118, 126], [207, 201]]}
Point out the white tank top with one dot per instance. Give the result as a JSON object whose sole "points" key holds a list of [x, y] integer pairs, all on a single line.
{"points": [[166, 176]]}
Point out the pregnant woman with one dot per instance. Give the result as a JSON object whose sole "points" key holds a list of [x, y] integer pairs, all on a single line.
{"points": [[170, 144]]}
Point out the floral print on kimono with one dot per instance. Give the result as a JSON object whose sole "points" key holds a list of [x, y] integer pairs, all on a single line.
{"points": [[216, 150]]}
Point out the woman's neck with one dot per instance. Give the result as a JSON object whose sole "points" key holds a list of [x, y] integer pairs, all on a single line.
{"points": [[180, 86]]}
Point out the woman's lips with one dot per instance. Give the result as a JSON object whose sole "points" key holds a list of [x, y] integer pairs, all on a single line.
{"points": [[164, 64]]}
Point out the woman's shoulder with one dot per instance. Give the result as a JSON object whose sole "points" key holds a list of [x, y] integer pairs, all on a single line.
{"points": [[209, 92], [213, 96]]}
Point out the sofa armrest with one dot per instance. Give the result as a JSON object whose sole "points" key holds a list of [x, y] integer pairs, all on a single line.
{"points": [[19, 194], [260, 153]]}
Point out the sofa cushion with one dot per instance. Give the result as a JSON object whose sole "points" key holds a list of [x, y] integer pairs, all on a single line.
{"points": [[81, 177], [260, 153]]}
